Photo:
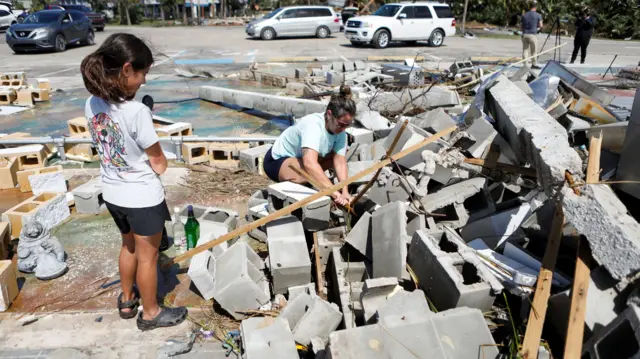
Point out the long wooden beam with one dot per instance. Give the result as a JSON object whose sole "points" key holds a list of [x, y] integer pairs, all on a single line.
{"points": [[533, 334], [294, 206]]}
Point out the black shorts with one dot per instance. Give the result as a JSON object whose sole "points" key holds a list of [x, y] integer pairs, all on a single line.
{"points": [[142, 221], [272, 166]]}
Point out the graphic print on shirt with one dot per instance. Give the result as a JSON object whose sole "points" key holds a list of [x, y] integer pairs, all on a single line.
{"points": [[109, 141]]}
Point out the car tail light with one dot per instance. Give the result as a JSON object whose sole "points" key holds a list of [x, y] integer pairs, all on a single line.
{"points": [[336, 20], [453, 23]]}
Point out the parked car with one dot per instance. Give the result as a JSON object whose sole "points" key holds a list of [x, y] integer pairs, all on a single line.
{"points": [[50, 29], [97, 20], [320, 21], [408, 21], [348, 13], [7, 18]]}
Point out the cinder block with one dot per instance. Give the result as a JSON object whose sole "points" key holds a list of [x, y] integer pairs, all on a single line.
{"points": [[315, 216], [202, 273], [344, 280], [7, 97], [225, 152], [88, 197], [320, 320], [18, 75], [288, 254], [301, 73], [225, 217], [31, 156], [250, 158], [24, 98], [484, 134], [175, 130], [473, 194], [194, 153], [239, 283], [391, 187], [296, 307], [14, 216], [374, 295], [40, 95], [327, 240], [8, 284], [82, 151], [465, 332], [23, 176], [355, 167], [77, 125], [619, 339], [5, 240], [44, 84], [358, 152], [401, 308], [267, 337], [359, 135], [434, 121], [497, 228], [389, 243], [8, 172], [53, 182], [309, 288]]}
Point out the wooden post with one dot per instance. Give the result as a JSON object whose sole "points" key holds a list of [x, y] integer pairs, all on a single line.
{"points": [[319, 280], [580, 288], [287, 210], [539, 305]]}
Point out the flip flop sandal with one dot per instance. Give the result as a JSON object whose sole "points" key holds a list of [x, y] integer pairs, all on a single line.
{"points": [[168, 317], [130, 304]]}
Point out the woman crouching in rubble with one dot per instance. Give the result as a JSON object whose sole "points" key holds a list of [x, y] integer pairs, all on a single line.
{"points": [[316, 143], [131, 162]]}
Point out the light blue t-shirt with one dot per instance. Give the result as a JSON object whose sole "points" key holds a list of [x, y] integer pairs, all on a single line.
{"points": [[309, 132]]}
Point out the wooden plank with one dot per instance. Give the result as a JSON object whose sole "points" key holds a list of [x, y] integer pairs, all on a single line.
{"points": [[578, 311], [593, 166], [319, 279], [533, 334], [580, 288], [287, 210]]}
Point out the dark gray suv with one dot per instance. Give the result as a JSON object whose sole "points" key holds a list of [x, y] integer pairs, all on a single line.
{"points": [[50, 29]]}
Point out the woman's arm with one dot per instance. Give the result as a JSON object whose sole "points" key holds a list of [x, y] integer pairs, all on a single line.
{"points": [[340, 165], [313, 168], [157, 159]]}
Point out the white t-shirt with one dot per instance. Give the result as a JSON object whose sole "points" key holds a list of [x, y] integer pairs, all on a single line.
{"points": [[121, 133]]}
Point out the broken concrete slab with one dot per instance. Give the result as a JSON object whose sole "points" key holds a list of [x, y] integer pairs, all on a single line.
{"points": [[371, 120], [360, 236], [499, 227], [262, 102], [360, 135], [434, 121], [408, 99], [464, 334], [391, 187], [319, 320], [536, 137], [345, 282], [48, 182], [473, 194], [603, 219], [484, 134], [355, 167], [315, 216], [374, 295], [327, 240], [389, 243], [268, 337], [402, 308], [295, 291]]}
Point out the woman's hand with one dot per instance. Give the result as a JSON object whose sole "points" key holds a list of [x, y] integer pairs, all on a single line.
{"points": [[341, 199]]}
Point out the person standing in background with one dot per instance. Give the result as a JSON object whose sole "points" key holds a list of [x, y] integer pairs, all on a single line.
{"points": [[584, 29], [531, 22]]}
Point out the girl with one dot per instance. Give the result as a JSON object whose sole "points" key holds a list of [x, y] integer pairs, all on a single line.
{"points": [[131, 162], [316, 143]]}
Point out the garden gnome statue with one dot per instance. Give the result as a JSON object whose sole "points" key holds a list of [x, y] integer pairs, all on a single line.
{"points": [[39, 252]]}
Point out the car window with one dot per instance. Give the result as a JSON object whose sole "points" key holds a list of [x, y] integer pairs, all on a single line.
{"points": [[289, 14], [443, 12], [321, 12], [77, 15], [387, 10], [422, 12], [300, 13], [66, 17], [408, 10], [272, 14], [4, 13], [42, 18]]}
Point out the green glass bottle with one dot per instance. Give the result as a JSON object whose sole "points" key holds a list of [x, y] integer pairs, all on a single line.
{"points": [[192, 229]]}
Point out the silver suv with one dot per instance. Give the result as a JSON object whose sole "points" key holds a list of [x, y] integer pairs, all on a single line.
{"points": [[320, 21]]}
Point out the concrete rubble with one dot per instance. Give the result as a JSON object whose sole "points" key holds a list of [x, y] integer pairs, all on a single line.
{"points": [[456, 228]]}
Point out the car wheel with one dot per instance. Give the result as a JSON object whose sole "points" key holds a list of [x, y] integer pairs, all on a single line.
{"points": [[322, 32], [61, 43], [268, 34], [437, 38], [381, 39], [90, 39]]}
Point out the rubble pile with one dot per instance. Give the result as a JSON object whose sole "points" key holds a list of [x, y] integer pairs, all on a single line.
{"points": [[444, 254]]}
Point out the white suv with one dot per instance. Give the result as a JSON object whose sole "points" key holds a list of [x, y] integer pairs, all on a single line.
{"points": [[7, 18], [407, 21]]}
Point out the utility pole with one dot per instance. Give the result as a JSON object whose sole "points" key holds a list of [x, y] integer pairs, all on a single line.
{"points": [[464, 16]]}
